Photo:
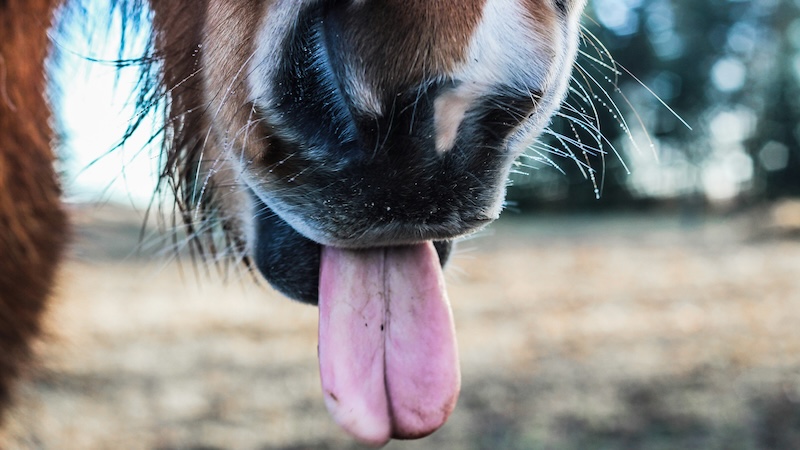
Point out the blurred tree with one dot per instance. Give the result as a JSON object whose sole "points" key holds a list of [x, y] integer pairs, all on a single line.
{"points": [[730, 68], [775, 144]]}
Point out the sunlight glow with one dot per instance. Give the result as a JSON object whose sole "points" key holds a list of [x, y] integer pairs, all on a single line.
{"points": [[94, 106]]}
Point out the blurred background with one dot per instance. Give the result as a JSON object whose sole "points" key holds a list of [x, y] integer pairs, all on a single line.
{"points": [[728, 71], [641, 290]]}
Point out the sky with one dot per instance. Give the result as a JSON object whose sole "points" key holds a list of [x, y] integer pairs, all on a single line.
{"points": [[94, 109]]}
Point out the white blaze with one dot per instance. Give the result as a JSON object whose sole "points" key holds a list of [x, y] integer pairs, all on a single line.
{"points": [[510, 50]]}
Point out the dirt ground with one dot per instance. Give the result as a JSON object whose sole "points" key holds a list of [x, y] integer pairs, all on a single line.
{"points": [[623, 332]]}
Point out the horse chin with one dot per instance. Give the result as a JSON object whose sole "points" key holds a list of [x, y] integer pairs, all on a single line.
{"points": [[290, 261]]}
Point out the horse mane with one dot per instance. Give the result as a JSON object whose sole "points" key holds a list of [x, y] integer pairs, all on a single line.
{"points": [[33, 226]]}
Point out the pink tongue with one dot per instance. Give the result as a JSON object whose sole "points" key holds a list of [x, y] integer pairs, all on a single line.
{"points": [[387, 350]]}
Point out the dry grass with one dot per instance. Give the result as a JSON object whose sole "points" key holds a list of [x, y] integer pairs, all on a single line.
{"points": [[591, 332]]}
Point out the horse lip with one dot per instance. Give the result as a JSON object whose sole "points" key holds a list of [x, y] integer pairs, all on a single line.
{"points": [[290, 261], [411, 234], [392, 233]]}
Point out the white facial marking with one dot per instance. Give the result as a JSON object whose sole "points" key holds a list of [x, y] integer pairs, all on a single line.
{"points": [[508, 49], [360, 92], [448, 112], [508, 46]]}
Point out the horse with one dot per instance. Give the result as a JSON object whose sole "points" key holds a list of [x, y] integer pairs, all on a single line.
{"points": [[336, 147]]}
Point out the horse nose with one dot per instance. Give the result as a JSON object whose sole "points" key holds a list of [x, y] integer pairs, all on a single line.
{"points": [[328, 96], [325, 104]]}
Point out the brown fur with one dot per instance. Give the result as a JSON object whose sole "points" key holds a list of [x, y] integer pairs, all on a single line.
{"points": [[32, 222], [425, 38]]}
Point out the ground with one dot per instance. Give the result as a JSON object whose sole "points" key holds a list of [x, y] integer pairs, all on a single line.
{"points": [[592, 332]]}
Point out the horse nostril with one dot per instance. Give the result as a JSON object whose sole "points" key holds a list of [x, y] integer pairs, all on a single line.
{"points": [[313, 97], [507, 110], [494, 117]]}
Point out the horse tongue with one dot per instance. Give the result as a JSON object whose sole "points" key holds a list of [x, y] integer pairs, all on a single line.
{"points": [[387, 350]]}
